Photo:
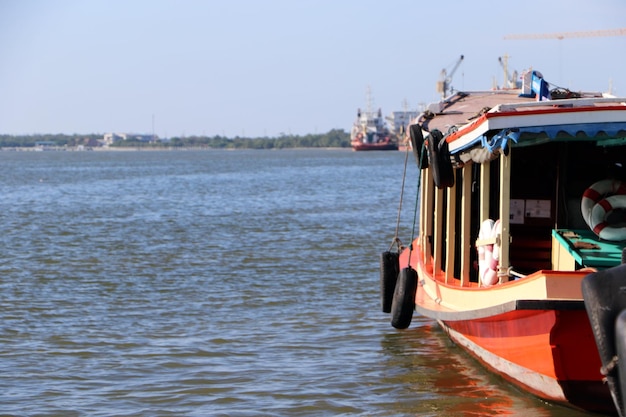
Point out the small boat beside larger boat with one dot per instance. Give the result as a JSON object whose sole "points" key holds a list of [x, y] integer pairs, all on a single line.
{"points": [[522, 196]]}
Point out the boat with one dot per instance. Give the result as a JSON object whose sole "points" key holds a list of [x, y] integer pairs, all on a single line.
{"points": [[371, 133], [398, 122], [518, 228]]}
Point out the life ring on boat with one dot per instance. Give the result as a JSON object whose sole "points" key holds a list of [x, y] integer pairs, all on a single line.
{"points": [[492, 257], [495, 260], [389, 268], [597, 192], [403, 303], [439, 160], [484, 250], [417, 143], [599, 214]]}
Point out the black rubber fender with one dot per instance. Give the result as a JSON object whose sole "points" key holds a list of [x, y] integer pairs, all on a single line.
{"points": [[419, 148], [604, 293], [389, 269], [605, 297], [403, 303], [431, 149], [445, 165], [620, 346], [439, 160]]}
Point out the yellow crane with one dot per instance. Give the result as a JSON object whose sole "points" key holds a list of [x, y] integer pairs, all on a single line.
{"points": [[563, 35]]}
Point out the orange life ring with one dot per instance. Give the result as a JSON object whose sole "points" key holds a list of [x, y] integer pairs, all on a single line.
{"points": [[599, 214]]}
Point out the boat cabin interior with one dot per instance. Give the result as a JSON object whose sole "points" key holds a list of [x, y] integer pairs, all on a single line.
{"points": [[535, 192]]}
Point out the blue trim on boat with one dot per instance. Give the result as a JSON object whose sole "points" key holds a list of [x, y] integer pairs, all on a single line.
{"points": [[591, 130]]}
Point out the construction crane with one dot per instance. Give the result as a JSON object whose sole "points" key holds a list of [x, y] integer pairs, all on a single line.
{"points": [[563, 35], [510, 81], [445, 79]]}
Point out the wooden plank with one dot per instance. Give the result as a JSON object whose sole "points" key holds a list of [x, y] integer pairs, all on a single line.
{"points": [[427, 307], [438, 240], [485, 179], [426, 213], [450, 232], [505, 212], [466, 207]]}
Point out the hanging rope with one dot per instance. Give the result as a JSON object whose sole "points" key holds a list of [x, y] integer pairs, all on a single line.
{"points": [[417, 196], [396, 240]]}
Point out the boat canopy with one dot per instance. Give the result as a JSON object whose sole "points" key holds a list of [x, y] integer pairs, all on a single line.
{"points": [[522, 121], [612, 134]]}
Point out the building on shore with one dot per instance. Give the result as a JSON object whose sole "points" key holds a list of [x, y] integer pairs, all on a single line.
{"points": [[110, 138]]}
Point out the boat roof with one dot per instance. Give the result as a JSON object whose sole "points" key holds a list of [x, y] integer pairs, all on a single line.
{"points": [[463, 107], [497, 118]]}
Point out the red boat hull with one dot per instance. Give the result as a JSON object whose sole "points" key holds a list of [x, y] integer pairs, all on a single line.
{"points": [[383, 146], [549, 353], [545, 347]]}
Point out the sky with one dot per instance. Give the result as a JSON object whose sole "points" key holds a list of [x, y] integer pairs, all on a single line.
{"points": [[267, 68]]}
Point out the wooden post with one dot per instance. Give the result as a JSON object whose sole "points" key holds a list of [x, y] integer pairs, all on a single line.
{"points": [[426, 214], [505, 212], [485, 193], [422, 218], [438, 231], [450, 232], [485, 180], [466, 208]]}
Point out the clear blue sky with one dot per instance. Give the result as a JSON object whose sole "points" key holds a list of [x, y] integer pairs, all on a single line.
{"points": [[270, 67]]}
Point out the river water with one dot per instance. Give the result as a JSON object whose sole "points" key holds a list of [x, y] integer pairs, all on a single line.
{"points": [[218, 283]]}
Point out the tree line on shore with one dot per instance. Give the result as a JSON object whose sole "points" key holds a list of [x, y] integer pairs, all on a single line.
{"points": [[336, 138]]}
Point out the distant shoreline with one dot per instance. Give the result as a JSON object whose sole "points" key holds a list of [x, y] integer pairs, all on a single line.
{"points": [[160, 149]]}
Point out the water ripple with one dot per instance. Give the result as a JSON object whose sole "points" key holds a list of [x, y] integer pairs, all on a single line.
{"points": [[215, 283]]}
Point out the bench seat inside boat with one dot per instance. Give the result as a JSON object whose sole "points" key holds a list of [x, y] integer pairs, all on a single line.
{"points": [[578, 248]]}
